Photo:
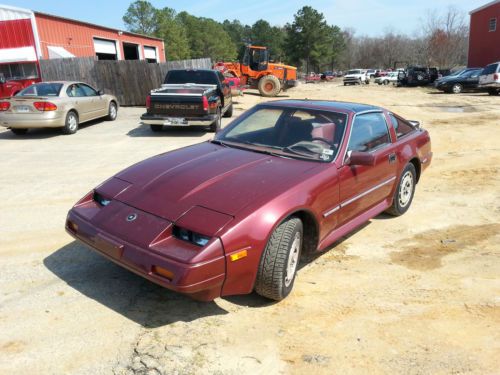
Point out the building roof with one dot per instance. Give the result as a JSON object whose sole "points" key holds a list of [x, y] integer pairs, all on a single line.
{"points": [[94, 25], [484, 6]]}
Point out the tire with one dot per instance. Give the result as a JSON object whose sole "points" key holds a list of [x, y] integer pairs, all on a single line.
{"points": [[386, 82], [229, 111], [216, 125], [345, 84], [19, 131], [420, 77], [456, 88], [156, 128], [405, 191], [493, 92], [279, 261], [112, 112], [269, 86], [359, 82], [71, 123]]}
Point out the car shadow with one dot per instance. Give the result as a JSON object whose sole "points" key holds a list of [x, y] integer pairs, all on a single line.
{"points": [[171, 131], [43, 133], [122, 291]]}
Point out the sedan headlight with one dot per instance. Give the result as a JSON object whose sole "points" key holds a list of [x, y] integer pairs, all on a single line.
{"points": [[190, 236]]}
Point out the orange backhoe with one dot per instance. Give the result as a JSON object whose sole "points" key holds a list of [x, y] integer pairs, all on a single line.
{"points": [[256, 72]]}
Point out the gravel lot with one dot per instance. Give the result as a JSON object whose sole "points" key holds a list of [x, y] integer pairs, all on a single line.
{"points": [[418, 294]]}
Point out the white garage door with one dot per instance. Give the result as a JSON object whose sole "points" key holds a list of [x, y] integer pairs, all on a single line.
{"points": [[150, 53], [105, 46]]}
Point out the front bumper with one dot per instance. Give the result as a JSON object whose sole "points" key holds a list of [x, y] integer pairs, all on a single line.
{"points": [[201, 281], [149, 119], [31, 121]]}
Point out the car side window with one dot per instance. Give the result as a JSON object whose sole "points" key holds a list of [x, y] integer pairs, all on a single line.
{"points": [[75, 91], [369, 132], [401, 127], [89, 91]]}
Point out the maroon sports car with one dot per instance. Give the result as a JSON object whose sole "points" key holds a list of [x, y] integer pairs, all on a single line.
{"points": [[234, 214]]}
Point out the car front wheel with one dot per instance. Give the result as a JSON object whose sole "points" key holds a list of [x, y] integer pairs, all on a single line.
{"points": [[405, 191], [279, 261], [457, 88], [112, 111]]}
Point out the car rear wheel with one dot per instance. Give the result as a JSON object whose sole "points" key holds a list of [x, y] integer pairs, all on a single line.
{"points": [[404, 192], [386, 82], [19, 131], [156, 128], [216, 126], [493, 92], [229, 112], [71, 124], [279, 261], [457, 88], [112, 111]]}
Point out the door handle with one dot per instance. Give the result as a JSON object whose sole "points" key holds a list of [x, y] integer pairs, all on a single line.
{"points": [[392, 158]]}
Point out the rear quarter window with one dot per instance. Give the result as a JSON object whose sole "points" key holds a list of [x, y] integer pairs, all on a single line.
{"points": [[490, 69], [400, 126]]}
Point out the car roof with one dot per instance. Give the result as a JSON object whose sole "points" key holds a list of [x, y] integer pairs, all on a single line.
{"points": [[330, 105]]}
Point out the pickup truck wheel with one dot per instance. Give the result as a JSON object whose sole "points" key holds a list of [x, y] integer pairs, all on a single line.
{"points": [[19, 131], [493, 92], [215, 127], [156, 128], [279, 261], [229, 112], [112, 112], [386, 82], [404, 192], [269, 86], [71, 124], [457, 88]]}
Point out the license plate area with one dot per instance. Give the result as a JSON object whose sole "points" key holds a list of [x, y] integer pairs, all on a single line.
{"points": [[108, 246], [22, 109], [175, 121]]}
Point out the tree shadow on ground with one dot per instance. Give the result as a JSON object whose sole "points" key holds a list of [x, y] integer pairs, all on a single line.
{"points": [[132, 296]]}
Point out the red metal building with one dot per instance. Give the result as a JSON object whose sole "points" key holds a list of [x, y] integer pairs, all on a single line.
{"points": [[484, 39]]}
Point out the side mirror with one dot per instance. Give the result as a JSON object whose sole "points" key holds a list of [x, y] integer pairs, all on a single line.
{"points": [[2, 79], [415, 123], [360, 158], [100, 92]]}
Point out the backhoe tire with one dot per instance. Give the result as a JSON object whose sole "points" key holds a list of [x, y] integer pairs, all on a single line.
{"points": [[269, 86]]}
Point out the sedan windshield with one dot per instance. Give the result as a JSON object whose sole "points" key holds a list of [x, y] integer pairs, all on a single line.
{"points": [[354, 72], [287, 132], [42, 89]]}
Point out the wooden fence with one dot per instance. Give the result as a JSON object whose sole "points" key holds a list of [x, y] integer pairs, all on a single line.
{"points": [[129, 80]]}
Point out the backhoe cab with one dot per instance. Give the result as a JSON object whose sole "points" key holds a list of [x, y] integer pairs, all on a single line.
{"points": [[257, 72]]}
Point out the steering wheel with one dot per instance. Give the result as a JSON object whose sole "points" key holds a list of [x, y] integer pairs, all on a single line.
{"points": [[322, 140]]}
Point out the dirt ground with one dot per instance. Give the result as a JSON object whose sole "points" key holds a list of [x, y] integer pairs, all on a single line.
{"points": [[418, 294]]}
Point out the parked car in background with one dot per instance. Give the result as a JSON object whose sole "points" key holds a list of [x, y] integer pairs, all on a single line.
{"points": [[489, 79], [381, 73], [370, 73], [189, 97], [417, 76], [466, 80], [56, 105], [356, 77], [385, 80], [16, 76], [234, 214], [328, 75], [313, 77]]}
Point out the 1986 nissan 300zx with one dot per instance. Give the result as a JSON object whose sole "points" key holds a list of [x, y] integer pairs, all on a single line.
{"points": [[234, 214]]}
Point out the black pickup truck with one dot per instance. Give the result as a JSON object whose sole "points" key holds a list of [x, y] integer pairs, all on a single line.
{"points": [[190, 97]]}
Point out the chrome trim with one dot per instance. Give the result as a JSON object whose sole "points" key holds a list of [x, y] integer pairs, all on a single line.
{"points": [[361, 195]]}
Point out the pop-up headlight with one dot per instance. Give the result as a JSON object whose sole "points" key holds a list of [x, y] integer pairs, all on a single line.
{"points": [[190, 236], [100, 199]]}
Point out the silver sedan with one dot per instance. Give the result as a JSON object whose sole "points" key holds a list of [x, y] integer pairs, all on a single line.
{"points": [[56, 105]]}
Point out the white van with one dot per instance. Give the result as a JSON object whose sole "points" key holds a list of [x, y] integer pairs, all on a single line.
{"points": [[489, 80]]}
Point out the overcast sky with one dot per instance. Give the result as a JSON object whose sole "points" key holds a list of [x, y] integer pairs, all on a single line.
{"points": [[367, 17]]}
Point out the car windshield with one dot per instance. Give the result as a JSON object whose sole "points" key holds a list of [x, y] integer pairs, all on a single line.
{"points": [[42, 89], [287, 132], [191, 76], [354, 72]]}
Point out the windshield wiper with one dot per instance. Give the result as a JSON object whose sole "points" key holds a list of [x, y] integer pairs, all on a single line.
{"points": [[217, 142]]}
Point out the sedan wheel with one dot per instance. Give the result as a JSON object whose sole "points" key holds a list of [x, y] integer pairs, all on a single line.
{"points": [[457, 88], [71, 124], [404, 192], [112, 112], [279, 261]]}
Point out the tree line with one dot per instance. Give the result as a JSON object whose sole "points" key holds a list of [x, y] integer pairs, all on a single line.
{"points": [[308, 41]]}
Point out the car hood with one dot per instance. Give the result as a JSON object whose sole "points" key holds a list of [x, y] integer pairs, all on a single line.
{"points": [[219, 178]]}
